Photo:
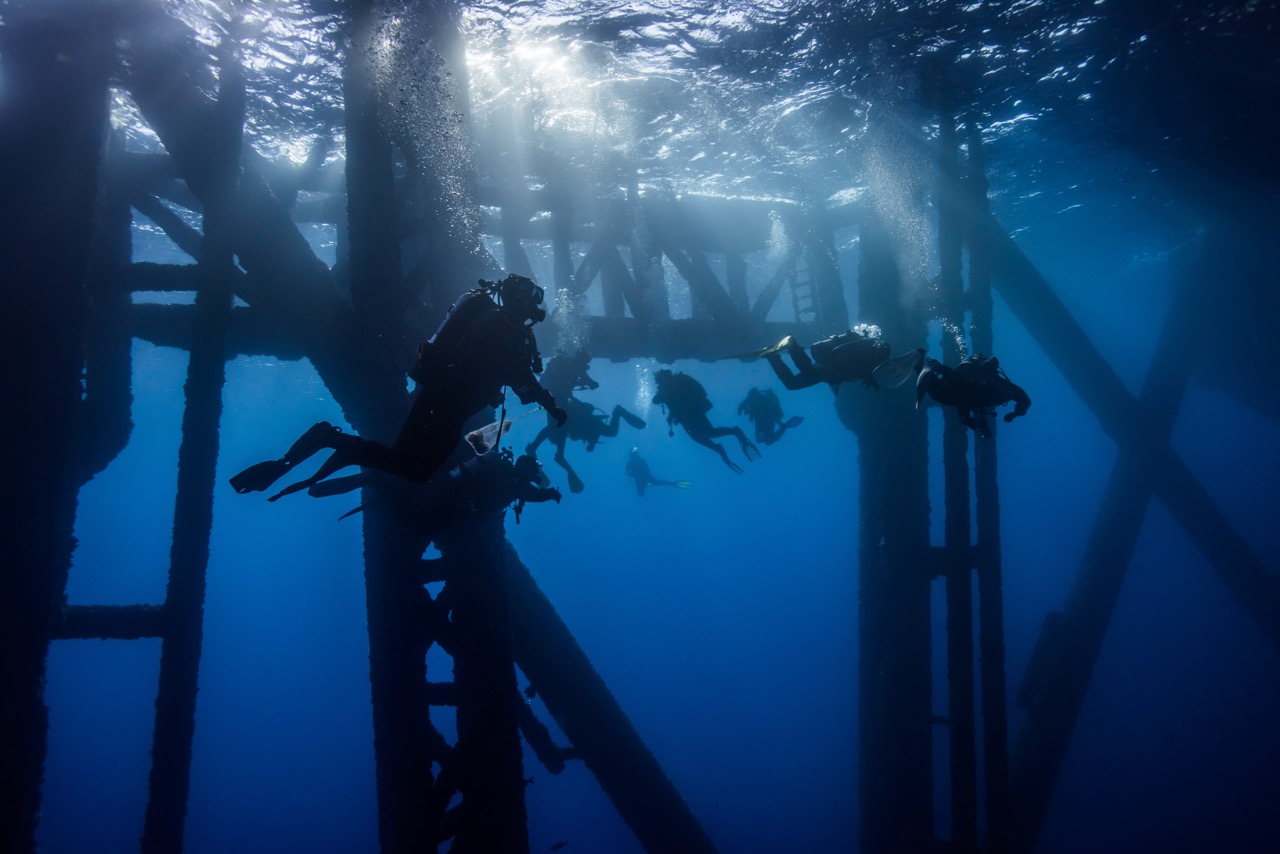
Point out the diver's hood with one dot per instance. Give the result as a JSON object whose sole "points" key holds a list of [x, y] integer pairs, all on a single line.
{"points": [[524, 295]]}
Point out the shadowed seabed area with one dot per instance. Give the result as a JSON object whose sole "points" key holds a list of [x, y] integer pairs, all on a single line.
{"points": [[754, 628]]}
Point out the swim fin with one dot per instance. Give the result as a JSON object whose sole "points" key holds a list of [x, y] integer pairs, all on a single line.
{"points": [[634, 420], [338, 485], [340, 458], [760, 354], [258, 477], [896, 371], [793, 421]]}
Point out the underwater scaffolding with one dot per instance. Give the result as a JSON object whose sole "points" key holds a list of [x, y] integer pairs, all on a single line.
{"points": [[296, 308]]}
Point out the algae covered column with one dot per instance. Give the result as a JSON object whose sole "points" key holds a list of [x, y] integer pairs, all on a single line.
{"points": [[995, 725], [396, 649], [53, 120], [489, 757], [170, 778], [894, 714]]}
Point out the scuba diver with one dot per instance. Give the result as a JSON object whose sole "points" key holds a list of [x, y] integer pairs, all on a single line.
{"points": [[484, 343], [638, 470], [565, 374], [687, 404], [485, 483], [975, 388], [858, 354], [764, 410]]}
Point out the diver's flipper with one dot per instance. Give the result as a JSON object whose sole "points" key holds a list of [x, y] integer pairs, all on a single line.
{"points": [[634, 420], [793, 421], [338, 485], [922, 385], [340, 458], [896, 371], [258, 477], [359, 508], [760, 354], [780, 346], [575, 483]]}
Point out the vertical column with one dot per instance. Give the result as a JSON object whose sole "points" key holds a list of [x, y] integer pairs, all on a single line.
{"points": [[615, 281], [514, 215], [646, 263], [170, 779], [824, 267], [374, 249], [561, 231], [736, 273], [491, 767], [955, 463], [53, 119], [397, 649], [895, 736], [397, 676], [995, 725], [106, 420]]}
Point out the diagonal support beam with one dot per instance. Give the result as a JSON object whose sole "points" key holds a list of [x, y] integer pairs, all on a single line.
{"points": [[588, 714], [1067, 654], [768, 296], [1071, 643], [706, 288], [1047, 319]]}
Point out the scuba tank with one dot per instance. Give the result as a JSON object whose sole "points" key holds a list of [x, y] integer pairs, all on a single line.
{"points": [[436, 354]]}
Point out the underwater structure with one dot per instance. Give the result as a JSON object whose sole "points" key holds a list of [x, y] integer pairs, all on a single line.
{"points": [[68, 199]]}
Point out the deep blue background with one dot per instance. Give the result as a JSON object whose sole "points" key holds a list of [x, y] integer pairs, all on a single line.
{"points": [[723, 617]]}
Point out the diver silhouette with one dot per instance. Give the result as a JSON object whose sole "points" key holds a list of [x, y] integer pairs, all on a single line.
{"points": [[638, 470], [565, 374], [484, 343], [764, 410], [856, 355], [975, 388], [687, 404]]}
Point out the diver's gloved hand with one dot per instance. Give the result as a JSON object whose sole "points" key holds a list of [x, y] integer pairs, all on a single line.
{"points": [[559, 415], [553, 494]]}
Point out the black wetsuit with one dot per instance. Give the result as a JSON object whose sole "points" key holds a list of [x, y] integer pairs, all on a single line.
{"points": [[477, 351], [974, 387]]}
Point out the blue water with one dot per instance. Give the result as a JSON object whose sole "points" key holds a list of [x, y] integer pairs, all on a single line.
{"points": [[722, 617]]}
